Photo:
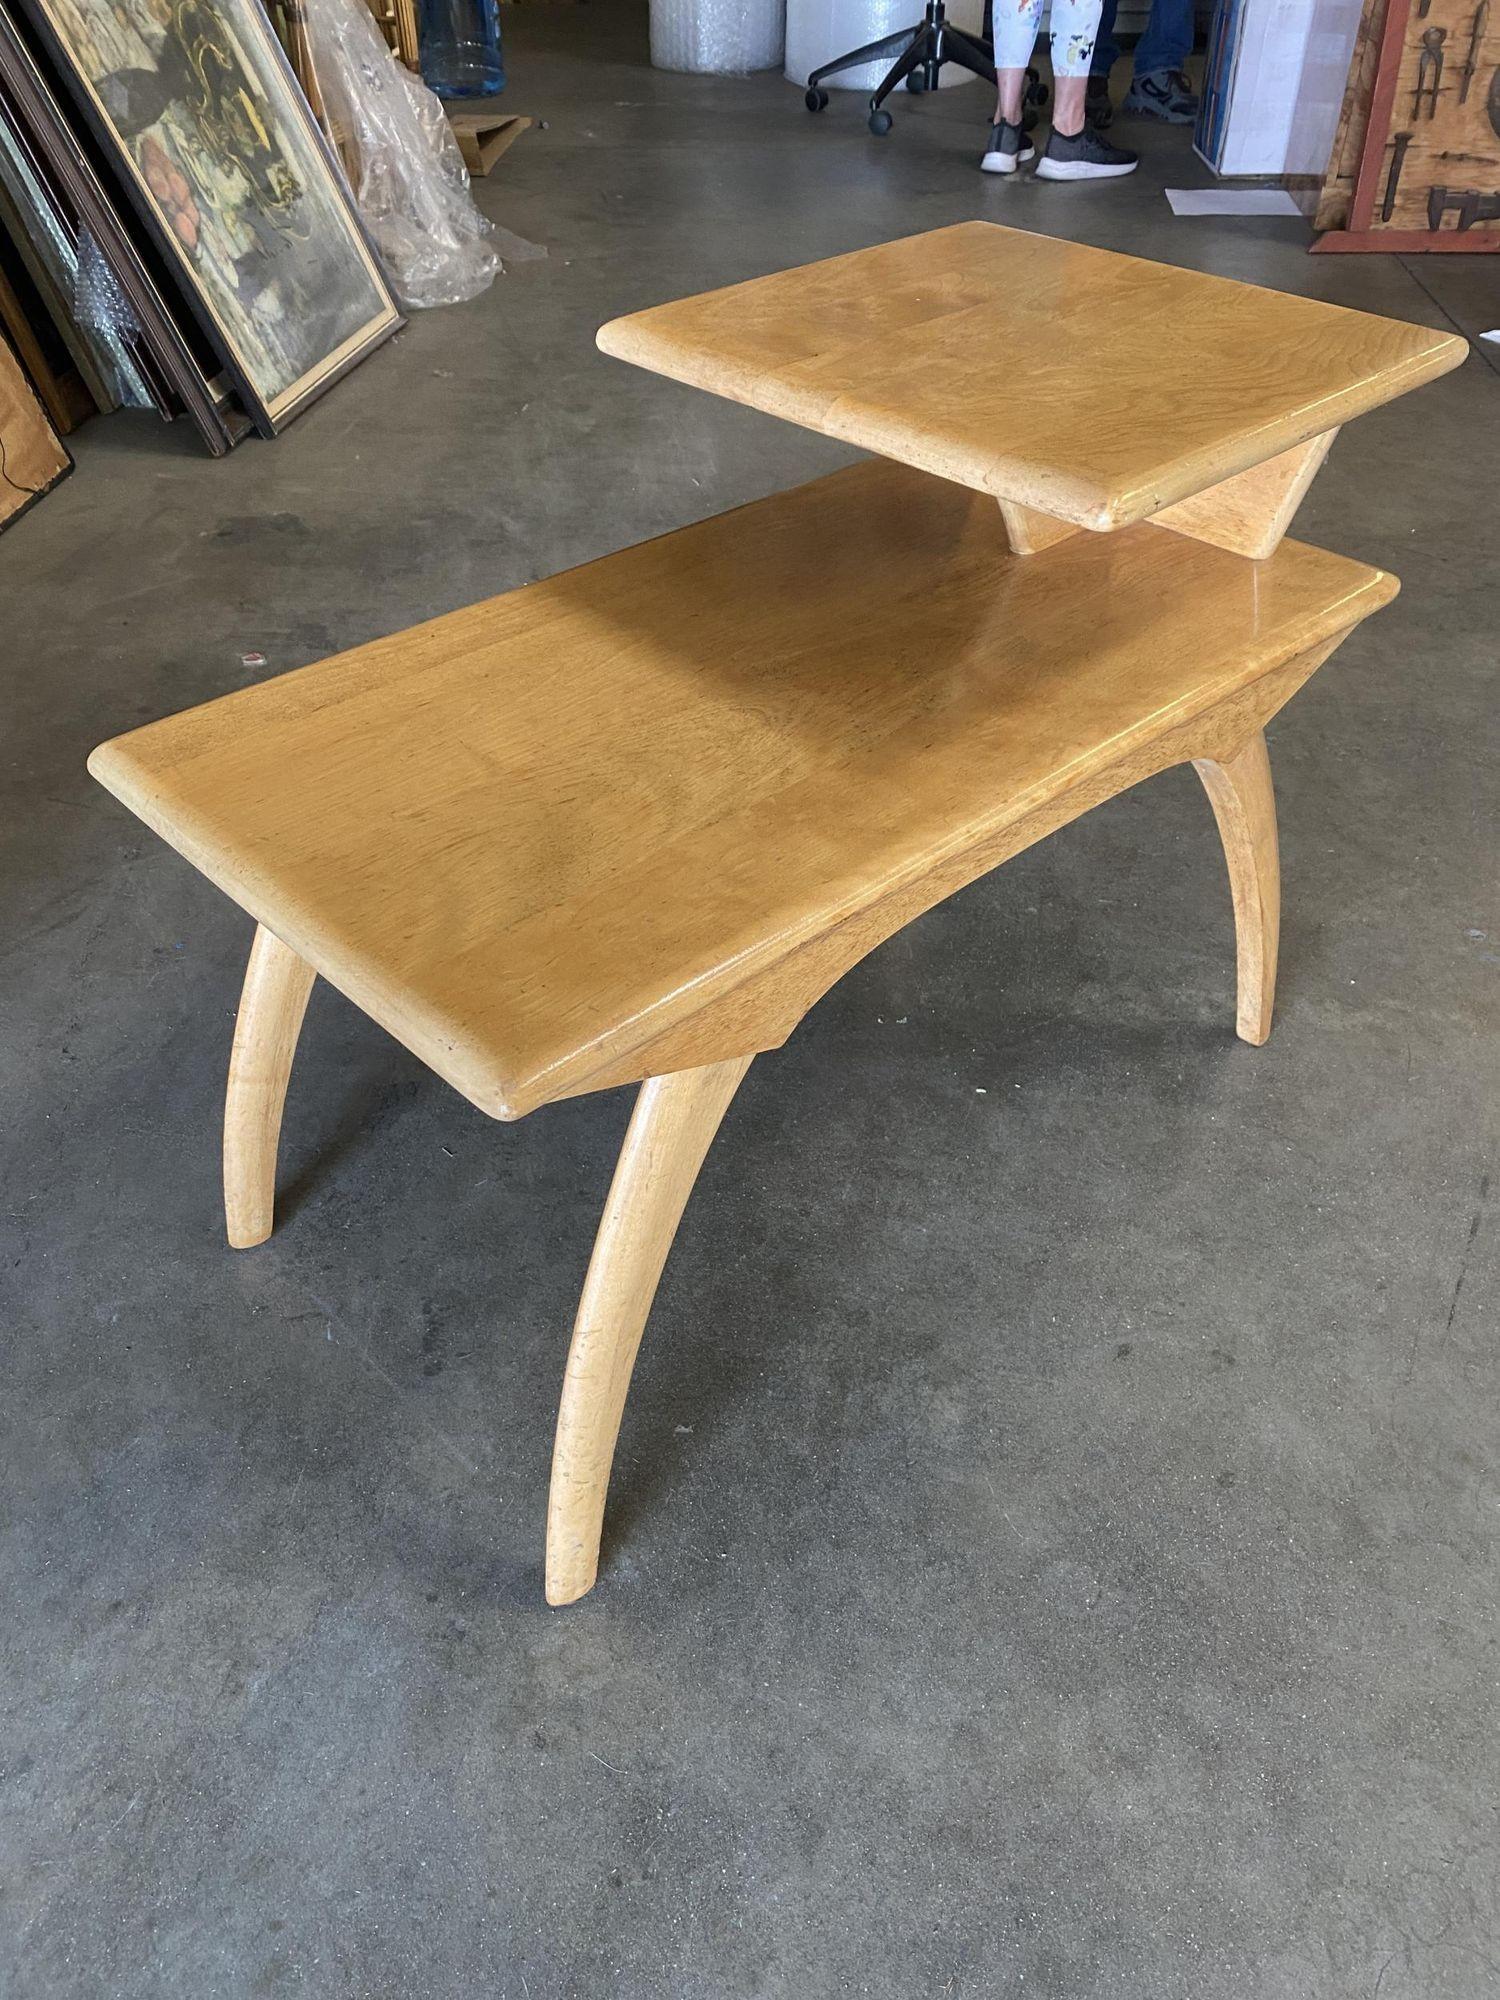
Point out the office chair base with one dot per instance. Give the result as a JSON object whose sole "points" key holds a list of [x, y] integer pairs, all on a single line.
{"points": [[921, 53]]}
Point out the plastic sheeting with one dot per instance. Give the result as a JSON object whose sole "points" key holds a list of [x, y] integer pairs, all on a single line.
{"points": [[407, 174], [717, 37], [819, 30]]}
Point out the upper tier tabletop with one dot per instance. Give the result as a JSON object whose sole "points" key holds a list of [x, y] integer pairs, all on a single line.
{"points": [[1092, 387], [532, 836]]}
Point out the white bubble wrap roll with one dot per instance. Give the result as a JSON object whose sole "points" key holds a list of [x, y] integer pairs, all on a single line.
{"points": [[717, 37]]}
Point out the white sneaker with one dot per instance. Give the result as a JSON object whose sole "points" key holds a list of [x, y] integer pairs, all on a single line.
{"points": [[1008, 149], [1084, 157]]}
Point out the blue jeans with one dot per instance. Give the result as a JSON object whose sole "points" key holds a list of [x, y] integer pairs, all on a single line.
{"points": [[1166, 44]]}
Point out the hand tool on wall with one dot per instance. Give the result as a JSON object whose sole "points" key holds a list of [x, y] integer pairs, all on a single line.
{"points": [[1429, 73], [1493, 103], [1477, 28], [1399, 145], [1468, 204]]}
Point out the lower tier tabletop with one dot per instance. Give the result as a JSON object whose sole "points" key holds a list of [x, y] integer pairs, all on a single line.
{"points": [[536, 835]]}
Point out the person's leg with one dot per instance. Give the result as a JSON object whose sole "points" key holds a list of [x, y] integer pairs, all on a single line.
{"points": [[1099, 108], [1076, 152], [1014, 34], [1168, 40], [1075, 30], [1106, 48], [1159, 87], [1073, 153], [1067, 103]]}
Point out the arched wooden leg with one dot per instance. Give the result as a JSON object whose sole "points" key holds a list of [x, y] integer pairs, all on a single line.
{"points": [[671, 1130], [1239, 789], [274, 999]]}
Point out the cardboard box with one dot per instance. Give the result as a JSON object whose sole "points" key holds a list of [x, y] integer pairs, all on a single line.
{"points": [[483, 136]]}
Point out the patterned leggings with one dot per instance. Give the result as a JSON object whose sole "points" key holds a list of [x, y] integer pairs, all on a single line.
{"points": [[1075, 23]]}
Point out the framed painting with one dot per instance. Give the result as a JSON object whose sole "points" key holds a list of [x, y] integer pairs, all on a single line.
{"points": [[195, 102], [174, 357]]}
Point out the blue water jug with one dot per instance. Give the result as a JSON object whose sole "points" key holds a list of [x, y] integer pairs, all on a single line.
{"points": [[460, 43]]}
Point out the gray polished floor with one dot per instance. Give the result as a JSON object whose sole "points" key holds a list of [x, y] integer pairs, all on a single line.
{"points": [[1053, 1549]]}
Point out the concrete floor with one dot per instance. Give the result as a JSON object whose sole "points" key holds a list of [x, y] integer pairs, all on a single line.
{"points": [[1053, 1548]]}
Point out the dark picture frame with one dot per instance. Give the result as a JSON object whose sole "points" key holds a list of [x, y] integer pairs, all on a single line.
{"points": [[195, 107], [177, 364]]}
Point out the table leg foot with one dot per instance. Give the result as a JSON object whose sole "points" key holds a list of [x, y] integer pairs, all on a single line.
{"points": [[272, 1004], [670, 1132], [1239, 789]]}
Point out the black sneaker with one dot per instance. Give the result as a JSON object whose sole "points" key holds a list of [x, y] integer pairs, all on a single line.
{"points": [[1099, 110], [1009, 147], [1084, 157], [1166, 94]]}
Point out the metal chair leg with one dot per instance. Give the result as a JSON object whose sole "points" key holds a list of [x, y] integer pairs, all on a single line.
{"points": [[915, 57], [869, 53]]}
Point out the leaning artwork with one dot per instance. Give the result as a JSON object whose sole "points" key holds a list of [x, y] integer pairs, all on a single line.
{"points": [[224, 162]]}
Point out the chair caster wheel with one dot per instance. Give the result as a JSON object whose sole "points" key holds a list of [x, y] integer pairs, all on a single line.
{"points": [[881, 123], [816, 100], [916, 83]]}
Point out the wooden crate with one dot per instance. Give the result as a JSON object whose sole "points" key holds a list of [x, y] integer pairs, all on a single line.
{"points": [[397, 21], [1429, 162]]}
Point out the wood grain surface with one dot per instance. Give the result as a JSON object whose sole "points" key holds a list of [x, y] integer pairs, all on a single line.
{"points": [[670, 1132], [273, 1000], [1085, 385], [1337, 191], [545, 840], [31, 458], [1251, 512], [1451, 143], [1239, 789], [1248, 513]]}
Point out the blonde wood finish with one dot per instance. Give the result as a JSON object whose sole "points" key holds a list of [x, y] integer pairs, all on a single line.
{"points": [[1029, 532], [1250, 513], [1239, 789], [1042, 372], [670, 1132], [762, 1013], [397, 21], [272, 1004], [33, 458], [626, 820]]}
